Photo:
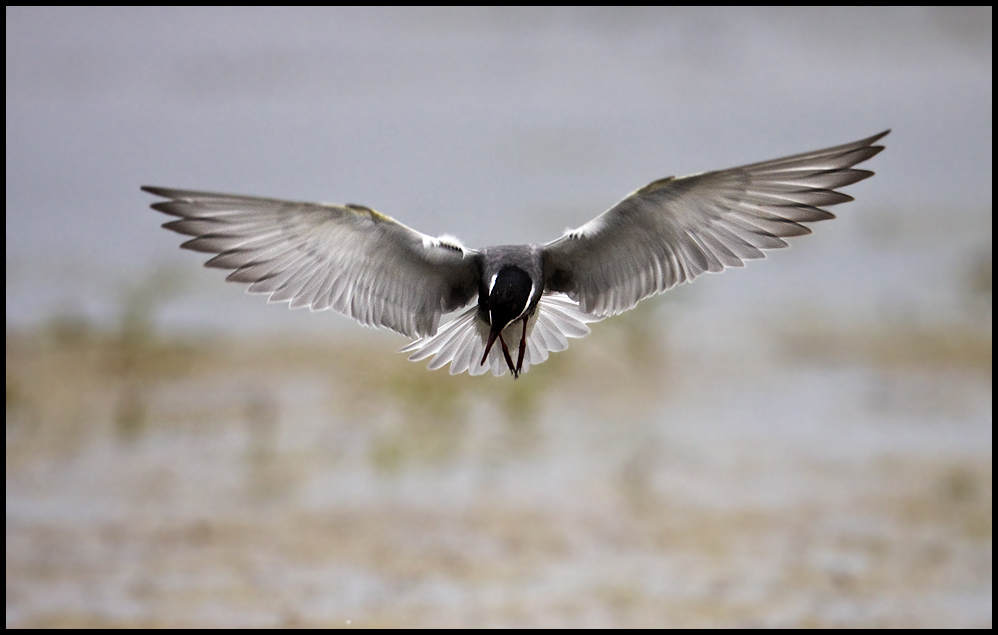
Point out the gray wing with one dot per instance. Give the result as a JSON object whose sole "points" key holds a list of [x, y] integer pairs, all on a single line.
{"points": [[343, 257], [675, 229]]}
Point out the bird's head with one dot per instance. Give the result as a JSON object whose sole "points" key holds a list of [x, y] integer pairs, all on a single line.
{"points": [[509, 297]]}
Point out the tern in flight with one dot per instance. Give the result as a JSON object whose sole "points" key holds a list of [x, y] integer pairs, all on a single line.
{"points": [[528, 298]]}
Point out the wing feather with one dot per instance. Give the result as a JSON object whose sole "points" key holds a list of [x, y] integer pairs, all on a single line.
{"points": [[461, 342], [675, 229], [343, 257]]}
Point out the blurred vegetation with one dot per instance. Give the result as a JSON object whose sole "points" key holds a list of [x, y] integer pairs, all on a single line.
{"points": [[957, 347], [914, 524], [72, 378], [905, 342], [979, 278], [426, 416]]}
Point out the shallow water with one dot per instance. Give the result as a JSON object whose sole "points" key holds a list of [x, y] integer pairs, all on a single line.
{"points": [[333, 484]]}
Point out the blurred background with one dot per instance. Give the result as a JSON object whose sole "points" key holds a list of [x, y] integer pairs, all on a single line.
{"points": [[804, 442]]}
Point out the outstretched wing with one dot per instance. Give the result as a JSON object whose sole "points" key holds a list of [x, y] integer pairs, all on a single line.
{"points": [[343, 257], [675, 229]]}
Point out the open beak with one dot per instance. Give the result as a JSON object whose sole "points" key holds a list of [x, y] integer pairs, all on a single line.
{"points": [[493, 334]]}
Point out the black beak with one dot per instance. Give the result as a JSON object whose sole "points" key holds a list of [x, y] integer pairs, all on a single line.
{"points": [[497, 333], [492, 340]]}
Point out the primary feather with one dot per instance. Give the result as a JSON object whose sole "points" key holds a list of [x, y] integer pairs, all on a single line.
{"points": [[674, 229], [343, 257]]}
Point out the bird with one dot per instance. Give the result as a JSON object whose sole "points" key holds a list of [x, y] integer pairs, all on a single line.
{"points": [[528, 298]]}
